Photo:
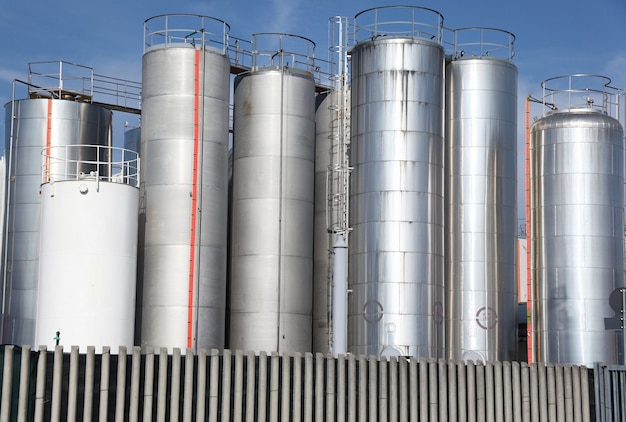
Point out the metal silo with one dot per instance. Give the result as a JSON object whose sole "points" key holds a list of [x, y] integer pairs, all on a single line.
{"points": [[88, 247], [31, 125], [272, 210], [396, 263], [184, 151], [480, 196], [577, 228]]}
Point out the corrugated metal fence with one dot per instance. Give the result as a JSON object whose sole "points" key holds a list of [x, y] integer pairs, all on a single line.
{"points": [[233, 386]]}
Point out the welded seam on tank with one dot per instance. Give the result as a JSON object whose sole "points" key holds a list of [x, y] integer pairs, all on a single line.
{"points": [[194, 191]]}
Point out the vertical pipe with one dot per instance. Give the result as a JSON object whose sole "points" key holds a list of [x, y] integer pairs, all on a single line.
{"points": [[529, 302], [238, 390], [57, 384], [188, 391], [175, 386], [72, 393], [40, 389], [135, 380], [251, 387], [23, 399], [340, 296], [148, 385], [201, 386], [551, 387], [162, 385], [105, 366], [341, 388], [7, 382], [214, 386]]}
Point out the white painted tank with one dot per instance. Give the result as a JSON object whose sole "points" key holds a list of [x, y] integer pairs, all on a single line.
{"points": [[88, 252]]}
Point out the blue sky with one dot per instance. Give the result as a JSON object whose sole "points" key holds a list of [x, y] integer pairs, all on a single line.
{"points": [[553, 37]]}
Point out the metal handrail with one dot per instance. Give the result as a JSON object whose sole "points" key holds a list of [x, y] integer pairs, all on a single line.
{"points": [[283, 50], [178, 29], [489, 42], [111, 164], [384, 22], [581, 90]]}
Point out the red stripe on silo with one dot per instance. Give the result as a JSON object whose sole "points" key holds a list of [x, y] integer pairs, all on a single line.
{"points": [[194, 198], [48, 141]]}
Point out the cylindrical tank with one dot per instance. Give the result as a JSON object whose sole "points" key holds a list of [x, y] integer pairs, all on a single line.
{"points": [[480, 197], [37, 123], [396, 263], [272, 210], [88, 252], [322, 244], [577, 227], [184, 151]]}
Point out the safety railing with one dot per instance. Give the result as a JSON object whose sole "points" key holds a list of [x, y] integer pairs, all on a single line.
{"points": [[399, 21], [483, 42], [90, 162], [283, 50], [581, 91], [178, 29]]}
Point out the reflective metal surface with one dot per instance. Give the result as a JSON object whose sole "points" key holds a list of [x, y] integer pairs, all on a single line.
{"points": [[38, 122], [272, 211], [577, 230], [322, 239], [481, 192], [172, 97], [396, 258]]}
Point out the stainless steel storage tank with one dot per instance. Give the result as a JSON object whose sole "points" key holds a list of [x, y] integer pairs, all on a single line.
{"points": [[88, 248], [31, 125], [322, 244], [577, 227], [272, 209], [332, 123], [184, 150], [480, 196], [396, 199]]}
